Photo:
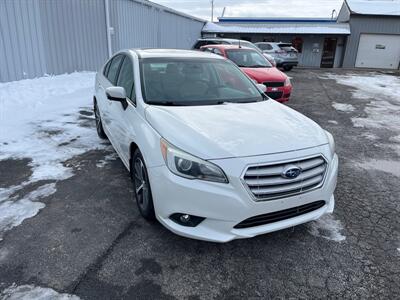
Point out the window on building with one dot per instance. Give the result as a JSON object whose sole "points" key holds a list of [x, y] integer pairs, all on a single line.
{"points": [[297, 43]]}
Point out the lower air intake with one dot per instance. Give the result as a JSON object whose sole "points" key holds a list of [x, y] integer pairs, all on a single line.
{"points": [[281, 215]]}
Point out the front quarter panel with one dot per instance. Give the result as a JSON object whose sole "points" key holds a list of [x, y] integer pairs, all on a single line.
{"points": [[144, 136]]}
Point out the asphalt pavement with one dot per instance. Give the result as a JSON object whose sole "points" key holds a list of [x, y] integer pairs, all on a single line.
{"points": [[90, 241]]}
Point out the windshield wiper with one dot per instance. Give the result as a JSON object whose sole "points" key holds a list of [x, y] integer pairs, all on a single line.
{"points": [[186, 103], [166, 103]]}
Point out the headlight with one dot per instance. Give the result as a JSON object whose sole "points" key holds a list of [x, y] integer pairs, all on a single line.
{"points": [[185, 165], [287, 81], [332, 145]]}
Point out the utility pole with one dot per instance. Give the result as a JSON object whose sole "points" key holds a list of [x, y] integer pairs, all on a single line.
{"points": [[212, 10]]}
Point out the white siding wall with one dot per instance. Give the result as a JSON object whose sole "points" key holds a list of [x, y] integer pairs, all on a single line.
{"points": [[19, 31], [139, 24], [367, 24], [40, 37]]}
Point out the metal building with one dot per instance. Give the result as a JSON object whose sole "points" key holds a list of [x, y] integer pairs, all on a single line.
{"points": [[375, 33], [40, 37], [366, 34], [319, 41]]}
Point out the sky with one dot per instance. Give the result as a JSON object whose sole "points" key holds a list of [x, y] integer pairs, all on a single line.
{"points": [[255, 8]]}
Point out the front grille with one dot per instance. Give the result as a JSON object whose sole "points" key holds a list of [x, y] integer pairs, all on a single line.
{"points": [[281, 215], [268, 182], [274, 95], [274, 83]]}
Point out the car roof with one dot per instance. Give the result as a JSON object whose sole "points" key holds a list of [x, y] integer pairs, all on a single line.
{"points": [[272, 43], [227, 46], [223, 39], [171, 53], [217, 39]]}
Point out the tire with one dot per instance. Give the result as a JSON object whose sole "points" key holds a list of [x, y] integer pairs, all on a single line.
{"points": [[99, 124], [287, 68], [141, 186]]}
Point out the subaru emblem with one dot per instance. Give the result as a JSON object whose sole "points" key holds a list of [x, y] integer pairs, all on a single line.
{"points": [[291, 172]]}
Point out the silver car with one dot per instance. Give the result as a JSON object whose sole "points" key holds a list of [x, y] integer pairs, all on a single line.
{"points": [[284, 54]]}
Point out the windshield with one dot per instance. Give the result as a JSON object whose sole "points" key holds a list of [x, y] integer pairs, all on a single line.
{"points": [[201, 81], [248, 58]]}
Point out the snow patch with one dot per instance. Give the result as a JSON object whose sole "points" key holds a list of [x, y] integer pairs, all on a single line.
{"points": [[7, 192], [388, 166], [333, 122], [370, 85], [40, 119], [328, 228], [343, 107], [13, 211], [31, 292], [384, 109], [48, 120], [109, 157]]}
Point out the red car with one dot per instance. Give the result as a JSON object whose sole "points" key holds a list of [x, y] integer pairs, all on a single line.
{"points": [[257, 67]]}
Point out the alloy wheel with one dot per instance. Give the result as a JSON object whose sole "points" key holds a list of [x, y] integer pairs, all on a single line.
{"points": [[141, 184], [98, 119]]}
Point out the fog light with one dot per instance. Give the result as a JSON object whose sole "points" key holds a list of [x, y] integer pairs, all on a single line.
{"points": [[186, 220]]}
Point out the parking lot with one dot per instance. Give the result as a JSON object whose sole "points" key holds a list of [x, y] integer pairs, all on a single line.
{"points": [[83, 234]]}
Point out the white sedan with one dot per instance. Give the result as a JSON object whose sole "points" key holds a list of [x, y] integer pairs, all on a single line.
{"points": [[210, 156]]}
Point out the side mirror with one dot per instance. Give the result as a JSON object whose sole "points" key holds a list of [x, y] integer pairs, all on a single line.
{"points": [[116, 93], [262, 87]]}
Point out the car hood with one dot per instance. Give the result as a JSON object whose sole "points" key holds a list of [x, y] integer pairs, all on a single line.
{"points": [[265, 74], [235, 130]]}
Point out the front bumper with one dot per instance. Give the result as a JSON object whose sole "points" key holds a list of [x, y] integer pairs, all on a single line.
{"points": [[226, 205], [286, 61], [280, 94]]}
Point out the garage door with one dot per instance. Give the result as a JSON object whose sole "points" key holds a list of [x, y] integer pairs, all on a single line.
{"points": [[378, 51]]}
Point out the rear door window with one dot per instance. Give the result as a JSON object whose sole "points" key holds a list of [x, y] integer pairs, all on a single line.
{"points": [[106, 68], [264, 46], [126, 79], [286, 47], [114, 67]]}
